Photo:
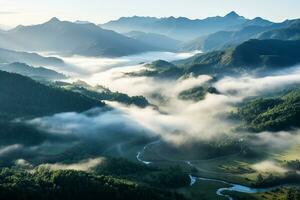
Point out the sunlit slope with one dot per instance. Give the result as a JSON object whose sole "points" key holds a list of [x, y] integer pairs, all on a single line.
{"points": [[72, 38], [254, 56]]}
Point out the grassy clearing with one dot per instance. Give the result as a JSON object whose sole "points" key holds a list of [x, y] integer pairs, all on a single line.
{"points": [[278, 194], [292, 153], [233, 168]]}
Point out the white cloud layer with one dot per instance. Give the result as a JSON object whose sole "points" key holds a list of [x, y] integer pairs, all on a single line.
{"points": [[176, 120], [85, 165]]}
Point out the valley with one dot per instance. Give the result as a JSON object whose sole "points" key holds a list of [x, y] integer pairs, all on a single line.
{"points": [[156, 108]]}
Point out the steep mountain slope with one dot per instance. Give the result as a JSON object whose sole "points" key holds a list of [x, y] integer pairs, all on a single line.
{"points": [[250, 55], [181, 28], [267, 53], [21, 97], [72, 38], [272, 114], [9, 56], [254, 56], [39, 73]]}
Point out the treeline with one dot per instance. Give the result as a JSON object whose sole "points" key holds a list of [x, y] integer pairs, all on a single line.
{"points": [[44, 184], [23, 97], [104, 94], [197, 93], [271, 114], [171, 178], [122, 167], [289, 177], [293, 194], [293, 165]]}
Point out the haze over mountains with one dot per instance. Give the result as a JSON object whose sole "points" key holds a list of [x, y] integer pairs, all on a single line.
{"points": [[146, 108], [181, 28], [288, 30], [39, 73], [141, 34], [208, 34], [8, 56], [72, 38]]}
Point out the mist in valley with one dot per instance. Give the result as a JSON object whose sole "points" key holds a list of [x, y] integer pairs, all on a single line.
{"points": [[99, 101], [121, 130]]}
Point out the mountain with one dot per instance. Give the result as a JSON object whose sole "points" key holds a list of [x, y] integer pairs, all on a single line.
{"points": [[217, 40], [39, 73], [181, 28], [258, 21], [9, 56], [195, 44], [160, 65], [73, 38], [128, 24], [255, 29], [250, 56], [272, 114], [156, 40], [254, 56], [292, 32], [159, 69], [267, 53], [103, 94], [24, 97]]}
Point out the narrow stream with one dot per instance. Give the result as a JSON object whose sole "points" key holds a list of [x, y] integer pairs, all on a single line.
{"points": [[220, 191], [233, 187]]}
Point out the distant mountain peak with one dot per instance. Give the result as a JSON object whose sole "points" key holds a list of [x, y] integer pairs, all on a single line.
{"points": [[258, 18], [54, 20], [232, 14], [19, 27]]}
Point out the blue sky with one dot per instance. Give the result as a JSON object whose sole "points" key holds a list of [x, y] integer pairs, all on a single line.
{"points": [[14, 12]]}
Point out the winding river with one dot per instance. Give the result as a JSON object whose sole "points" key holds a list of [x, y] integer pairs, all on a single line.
{"points": [[220, 191]]}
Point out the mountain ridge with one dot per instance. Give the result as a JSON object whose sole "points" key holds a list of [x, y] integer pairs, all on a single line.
{"points": [[39, 73], [180, 28], [9, 56], [75, 39]]}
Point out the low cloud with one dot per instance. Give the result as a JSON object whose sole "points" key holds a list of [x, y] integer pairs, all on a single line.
{"points": [[252, 86], [10, 149], [191, 82], [175, 120], [85, 165], [268, 167], [23, 164], [276, 141], [96, 122]]}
